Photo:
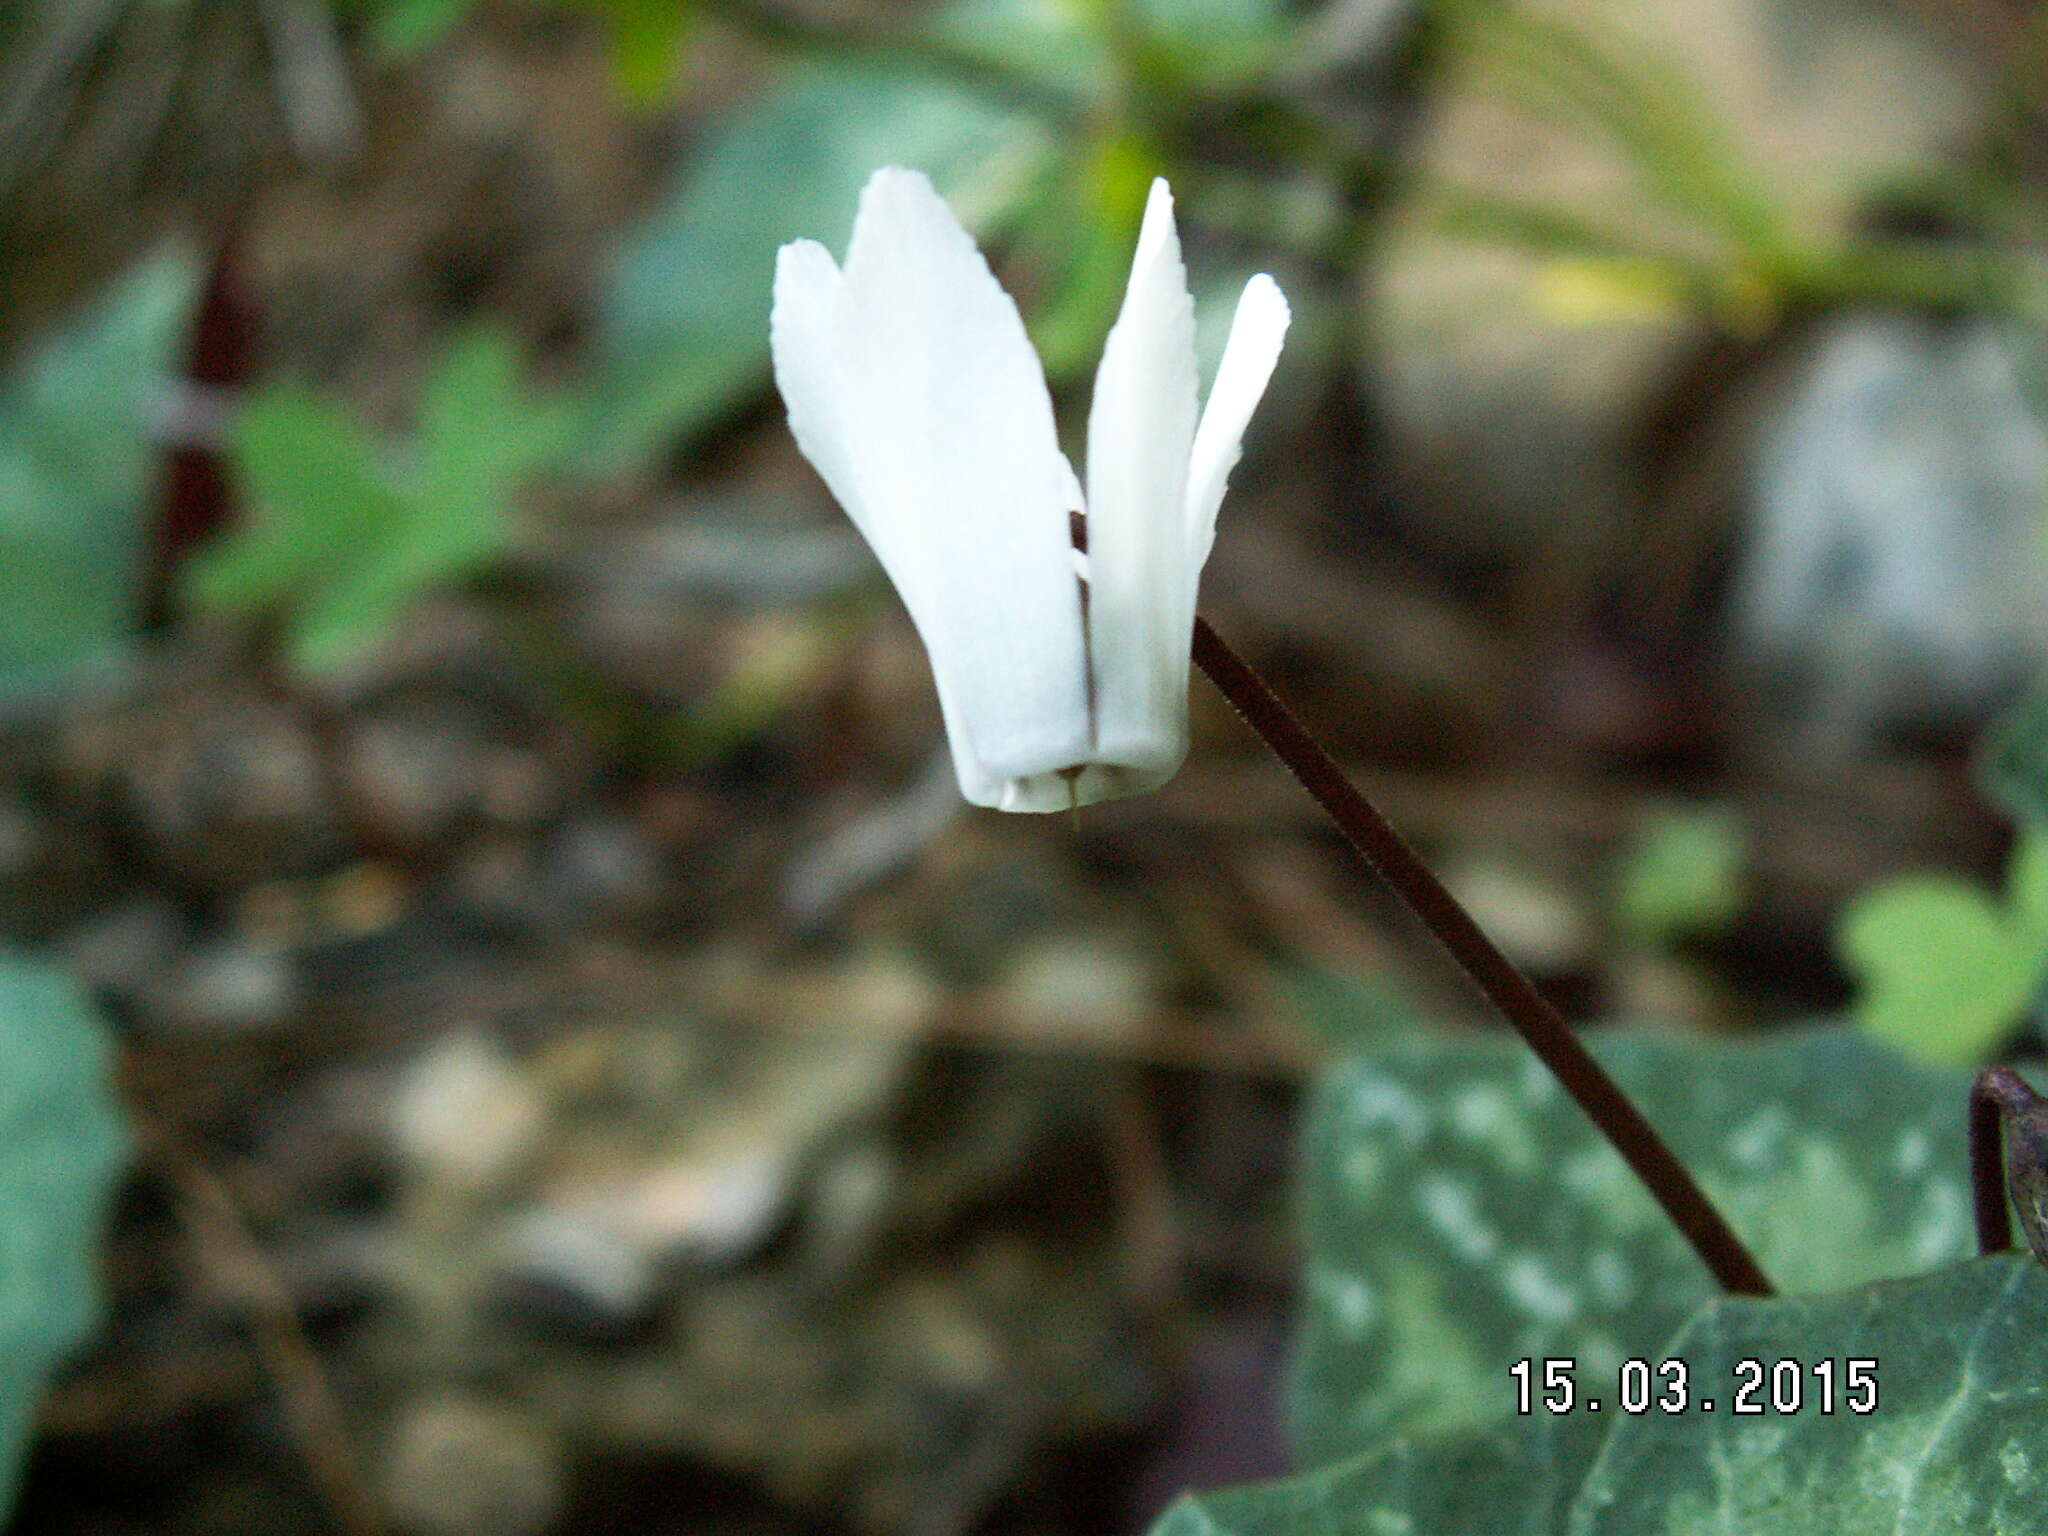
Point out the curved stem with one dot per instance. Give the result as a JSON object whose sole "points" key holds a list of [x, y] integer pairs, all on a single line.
{"points": [[1997, 1098], [1507, 988], [1990, 1096]]}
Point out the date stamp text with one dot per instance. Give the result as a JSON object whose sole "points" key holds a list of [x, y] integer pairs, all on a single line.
{"points": [[1751, 1387]]}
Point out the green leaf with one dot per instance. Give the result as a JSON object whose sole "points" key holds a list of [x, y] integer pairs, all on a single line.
{"points": [[312, 494], [1944, 971], [344, 536], [1460, 1212], [401, 28], [1682, 877], [62, 1146], [78, 469], [481, 434], [647, 43], [1957, 1444], [1517, 1480], [683, 334], [2026, 886], [1082, 227]]}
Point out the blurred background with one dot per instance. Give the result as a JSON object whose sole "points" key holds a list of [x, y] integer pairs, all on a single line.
{"points": [[508, 1027]]}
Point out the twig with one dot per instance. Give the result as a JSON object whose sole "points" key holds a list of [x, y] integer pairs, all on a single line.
{"points": [[1506, 987], [215, 1221]]}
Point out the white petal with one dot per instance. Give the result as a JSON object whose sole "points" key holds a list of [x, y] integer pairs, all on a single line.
{"points": [[948, 430], [807, 335], [1256, 332], [1140, 431]]}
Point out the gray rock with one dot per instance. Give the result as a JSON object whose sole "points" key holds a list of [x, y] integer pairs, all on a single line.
{"points": [[1895, 572], [1513, 379]]}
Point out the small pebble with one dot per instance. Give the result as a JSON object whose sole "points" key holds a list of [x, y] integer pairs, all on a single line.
{"points": [[1068, 987], [417, 780], [465, 1114], [463, 1466], [516, 788], [230, 986]]}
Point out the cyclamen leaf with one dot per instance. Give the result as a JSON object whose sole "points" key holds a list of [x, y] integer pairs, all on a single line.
{"points": [[1459, 1211], [62, 1146], [78, 465], [1515, 1480], [1957, 1444]]}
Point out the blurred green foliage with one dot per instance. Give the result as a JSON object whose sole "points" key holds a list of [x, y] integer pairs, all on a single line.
{"points": [[1957, 1356], [682, 334], [1042, 125], [646, 35], [342, 533], [80, 459], [1682, 876], [1946, 970], [61, 1148], [1741, 250]]}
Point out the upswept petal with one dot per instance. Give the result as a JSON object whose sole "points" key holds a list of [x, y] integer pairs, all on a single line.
{"points": [[913, 388], [963, 488], [1256, 331], [1141, 428], [814, 370]]}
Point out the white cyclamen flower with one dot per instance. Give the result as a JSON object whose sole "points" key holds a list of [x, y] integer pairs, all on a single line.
{"points": [[912, 387]]}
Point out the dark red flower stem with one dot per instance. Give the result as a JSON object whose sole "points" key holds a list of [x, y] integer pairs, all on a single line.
{"points": [[1506, 987], [2009, 1160], [1990, 1096], [196, 501]]}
